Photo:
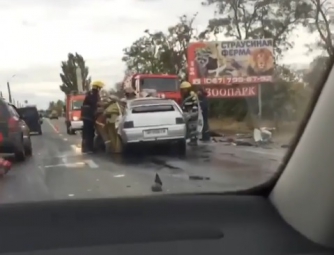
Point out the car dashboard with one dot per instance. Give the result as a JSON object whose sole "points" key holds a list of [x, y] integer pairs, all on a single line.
{"points": [[175, 224]]}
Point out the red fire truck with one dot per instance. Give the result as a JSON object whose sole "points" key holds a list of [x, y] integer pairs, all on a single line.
{"points": [[166, 85], [72, 110]]}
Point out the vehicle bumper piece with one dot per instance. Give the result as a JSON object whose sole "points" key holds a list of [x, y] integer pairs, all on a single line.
{"points": [[76, 125], [136, 135]]}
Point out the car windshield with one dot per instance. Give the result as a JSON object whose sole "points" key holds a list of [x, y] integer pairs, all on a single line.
{"points": [[160, 84], [76, 104], [243, 74]]}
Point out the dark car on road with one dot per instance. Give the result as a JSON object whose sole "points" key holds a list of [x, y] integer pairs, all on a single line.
{"points": [[32, 117], [53, 115], [14, 133]]}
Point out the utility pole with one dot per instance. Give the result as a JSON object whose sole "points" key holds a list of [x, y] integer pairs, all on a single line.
{"points": [[9, 92]]}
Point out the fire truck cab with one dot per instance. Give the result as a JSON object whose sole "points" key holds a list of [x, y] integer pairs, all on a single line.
{"points": [[73, 103], [166, 86]]}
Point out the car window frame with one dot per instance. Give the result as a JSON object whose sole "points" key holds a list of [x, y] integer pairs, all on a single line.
{"points": [[13, 111]]}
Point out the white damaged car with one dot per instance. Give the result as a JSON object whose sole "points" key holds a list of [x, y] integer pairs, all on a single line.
{"points": [[153, 120]]}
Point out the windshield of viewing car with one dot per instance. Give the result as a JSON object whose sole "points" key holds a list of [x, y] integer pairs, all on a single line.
{"points": [[160, 84], [76, 104], [248, 70]]}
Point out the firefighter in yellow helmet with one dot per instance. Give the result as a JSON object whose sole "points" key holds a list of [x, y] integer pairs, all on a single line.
{"points": [[88, 116], [190, 106]]}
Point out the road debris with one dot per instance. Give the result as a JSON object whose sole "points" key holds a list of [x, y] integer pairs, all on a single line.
{"points": [[157, 186], [198, 178], [5, 166]]}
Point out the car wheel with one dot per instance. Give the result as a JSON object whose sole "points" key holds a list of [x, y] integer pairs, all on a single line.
{"points": [[20, 154], [70, 131], [28, 149], [182, 147]]}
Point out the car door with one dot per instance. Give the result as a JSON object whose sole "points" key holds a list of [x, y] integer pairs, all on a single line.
{"points": [[24, 127], [4, 115]]}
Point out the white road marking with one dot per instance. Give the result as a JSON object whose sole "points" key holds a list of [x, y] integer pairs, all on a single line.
{"points": [[71, 195], [119, 175], [87, 162], [91, 163], [51, 125], [65, 139], [68, 165], [76, 148], [69, 155], [60, 135]]}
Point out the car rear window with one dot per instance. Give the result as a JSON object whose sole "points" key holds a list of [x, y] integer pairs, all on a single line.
{"points": [[148, 101], [28, 112], [3, 111], [153, 108]]}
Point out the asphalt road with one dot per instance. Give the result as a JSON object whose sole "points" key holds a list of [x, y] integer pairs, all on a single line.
{"points": [[58, 170]]}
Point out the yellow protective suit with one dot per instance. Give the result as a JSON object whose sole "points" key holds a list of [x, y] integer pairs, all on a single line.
{"points": [[112, 112], [100, 123]]}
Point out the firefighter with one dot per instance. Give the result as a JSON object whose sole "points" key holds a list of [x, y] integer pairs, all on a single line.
{"points": [[100, 124], [203, 100], [88, 116], [190, 106], [112, 113], [130, 93]]}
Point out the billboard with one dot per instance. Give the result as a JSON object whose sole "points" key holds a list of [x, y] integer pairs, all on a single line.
{"points": [[231, 91], [231, 62]]}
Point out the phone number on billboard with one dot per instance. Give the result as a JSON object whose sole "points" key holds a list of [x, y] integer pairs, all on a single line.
{"points": [[232, 80]]}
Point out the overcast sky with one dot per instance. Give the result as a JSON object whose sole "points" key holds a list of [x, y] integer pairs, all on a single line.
{"points": [[38, 34]]}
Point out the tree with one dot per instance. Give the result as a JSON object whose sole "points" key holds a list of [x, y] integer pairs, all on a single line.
{"points": [[68, 75], [56, 106], [255, 19], [323, 24], [317, 70], [162, 52]]}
